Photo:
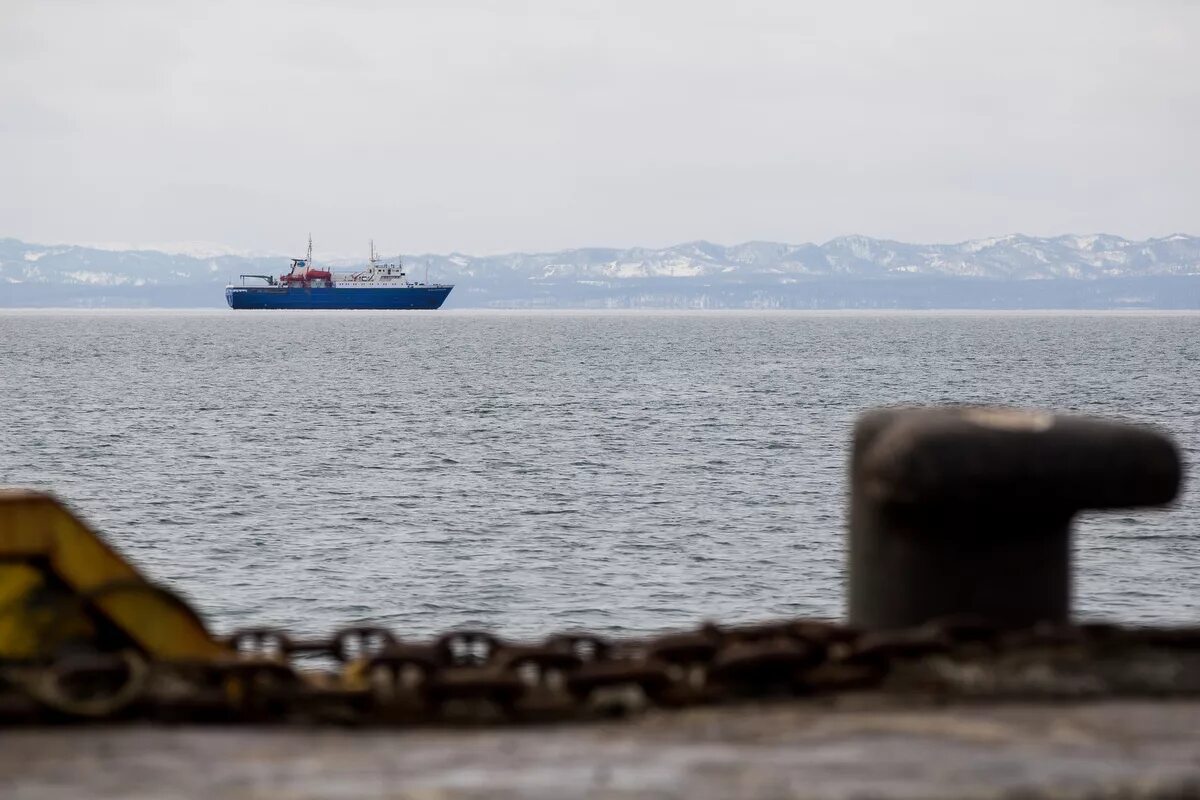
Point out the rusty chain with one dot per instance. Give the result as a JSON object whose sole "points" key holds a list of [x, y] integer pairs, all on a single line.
{"points": [[375, 677]]}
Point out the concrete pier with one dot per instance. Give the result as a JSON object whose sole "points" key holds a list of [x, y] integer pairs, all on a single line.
{"points": [[860, 747]]}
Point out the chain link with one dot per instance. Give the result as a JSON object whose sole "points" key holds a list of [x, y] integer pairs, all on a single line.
{"points": [[476, 676]]}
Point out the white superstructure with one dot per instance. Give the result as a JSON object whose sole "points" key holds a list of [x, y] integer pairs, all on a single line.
{"points": [[377, 273]]}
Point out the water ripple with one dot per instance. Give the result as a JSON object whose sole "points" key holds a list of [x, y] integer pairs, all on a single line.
{"points": [[524, 472]]}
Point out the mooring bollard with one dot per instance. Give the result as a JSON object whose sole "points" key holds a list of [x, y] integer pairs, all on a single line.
{"points": [[967, 511]]}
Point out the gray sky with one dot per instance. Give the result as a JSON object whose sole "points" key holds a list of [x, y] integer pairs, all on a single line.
{"points": [[488, 127]]}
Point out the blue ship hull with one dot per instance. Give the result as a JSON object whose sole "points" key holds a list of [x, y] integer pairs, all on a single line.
{"points": [[397, 297]]}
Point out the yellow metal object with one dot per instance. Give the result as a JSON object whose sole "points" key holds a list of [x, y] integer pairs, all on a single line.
{"points": [[21, 628], [42, 545]]}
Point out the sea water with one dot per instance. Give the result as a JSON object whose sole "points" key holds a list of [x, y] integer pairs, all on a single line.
{"points": [[532, 472]]}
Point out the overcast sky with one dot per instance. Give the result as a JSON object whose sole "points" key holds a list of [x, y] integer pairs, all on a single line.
{"points": [[490, 127]]}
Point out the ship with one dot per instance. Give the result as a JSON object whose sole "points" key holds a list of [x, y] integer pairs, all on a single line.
{"points": [[381, 285]]}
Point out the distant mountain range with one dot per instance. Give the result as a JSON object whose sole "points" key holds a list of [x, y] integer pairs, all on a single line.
{"points": [[1096, 271]]}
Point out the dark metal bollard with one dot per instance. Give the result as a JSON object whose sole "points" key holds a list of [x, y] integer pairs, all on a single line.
{"points": [[961, 510]]}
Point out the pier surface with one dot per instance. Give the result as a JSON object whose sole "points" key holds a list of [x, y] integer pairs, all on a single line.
{"points": [[864, 747]]}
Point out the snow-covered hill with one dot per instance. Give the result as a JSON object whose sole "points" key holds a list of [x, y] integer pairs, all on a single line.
{"points": [[44, 272]]}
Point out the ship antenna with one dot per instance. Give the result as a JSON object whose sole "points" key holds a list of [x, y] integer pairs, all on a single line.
{"points": [[308, 262]]}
